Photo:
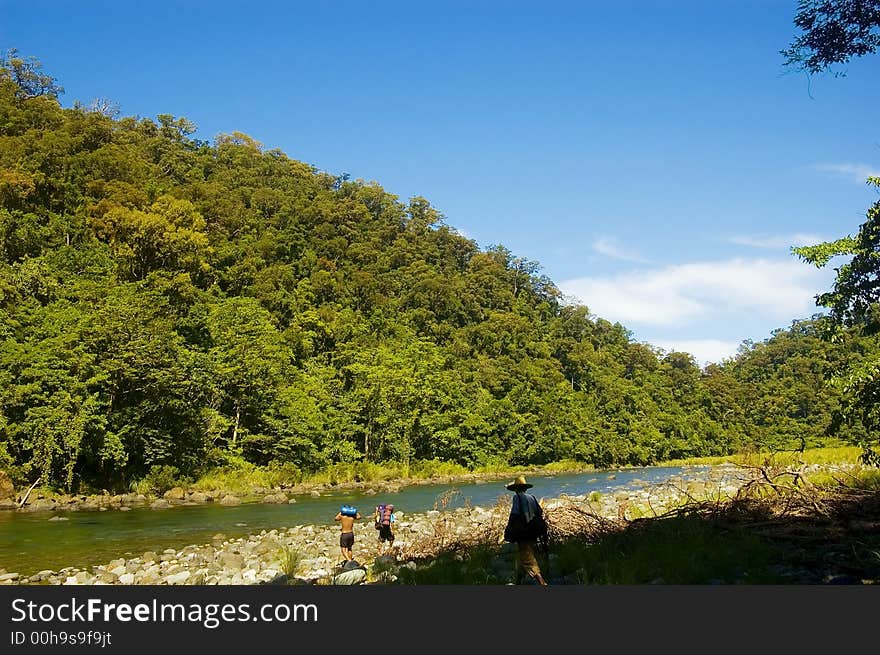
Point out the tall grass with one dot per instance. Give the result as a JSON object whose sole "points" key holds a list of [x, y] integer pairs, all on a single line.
{"points": [[236, 475], [824, 455], [244, 477], [290, 560]]}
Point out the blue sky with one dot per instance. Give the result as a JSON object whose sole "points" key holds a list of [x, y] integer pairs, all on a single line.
{"points": [[654, 157]]}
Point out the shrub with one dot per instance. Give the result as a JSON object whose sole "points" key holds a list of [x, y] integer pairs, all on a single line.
{"points": [[160, 479]]}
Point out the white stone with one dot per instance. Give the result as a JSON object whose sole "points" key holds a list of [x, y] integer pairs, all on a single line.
{"points": [[178, 578]]}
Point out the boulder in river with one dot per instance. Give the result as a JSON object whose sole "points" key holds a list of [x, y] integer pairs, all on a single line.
{"points": [[175, 493]]}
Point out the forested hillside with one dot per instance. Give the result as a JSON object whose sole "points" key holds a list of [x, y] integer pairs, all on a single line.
{"points": [[170, 301]]}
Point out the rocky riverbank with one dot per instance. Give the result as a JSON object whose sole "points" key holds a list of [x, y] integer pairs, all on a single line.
{"points": [[307, 554]]}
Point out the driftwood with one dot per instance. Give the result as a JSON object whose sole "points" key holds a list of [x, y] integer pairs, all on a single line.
{"points": [[25, 497]]}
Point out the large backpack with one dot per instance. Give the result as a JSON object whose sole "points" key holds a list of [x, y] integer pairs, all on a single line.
{"points": [[384, 517], [517, 529]]}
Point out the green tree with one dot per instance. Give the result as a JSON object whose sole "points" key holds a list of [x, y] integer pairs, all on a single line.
{"points": [[833, 32], [854, 302], [248, 358], [26, 73]]}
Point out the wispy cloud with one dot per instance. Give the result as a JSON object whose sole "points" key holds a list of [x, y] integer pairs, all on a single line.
{"points": [[777, 241], [705, 351], [611, 248], [856, 172], [676, 296]]}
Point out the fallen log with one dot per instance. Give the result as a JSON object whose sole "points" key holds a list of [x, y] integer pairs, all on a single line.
{"points": [[25, 497]]}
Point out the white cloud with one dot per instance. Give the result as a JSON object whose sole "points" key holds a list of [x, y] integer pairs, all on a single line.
{"points": [[778, 241], [680, 295], [705, 351], [610, 248], [856, 172]]}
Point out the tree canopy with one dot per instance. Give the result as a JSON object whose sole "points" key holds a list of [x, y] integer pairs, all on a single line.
{"points": [[171, 302], [854, 303], [833, 32]]}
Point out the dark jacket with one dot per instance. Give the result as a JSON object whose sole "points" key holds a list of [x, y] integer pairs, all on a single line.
{"points": [[526, 520]]}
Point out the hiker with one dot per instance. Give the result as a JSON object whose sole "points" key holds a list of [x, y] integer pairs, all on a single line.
{"points": [[384, 522], [347, 515], [525, 526]]}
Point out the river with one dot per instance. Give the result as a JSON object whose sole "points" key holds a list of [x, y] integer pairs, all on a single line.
{"points": [[30, 542]]}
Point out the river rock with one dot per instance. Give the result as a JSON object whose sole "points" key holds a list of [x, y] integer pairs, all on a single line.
{"points": [[200, 497], [126, 578], [276, 499], [108, 577], [232, 562], [175, 493], [230, 500], [8, 577], [40, 505], [178, 578], [161, 503], [352, 577]]}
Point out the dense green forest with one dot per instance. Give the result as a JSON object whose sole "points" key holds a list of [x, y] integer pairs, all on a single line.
{"points": [[167, 301]]}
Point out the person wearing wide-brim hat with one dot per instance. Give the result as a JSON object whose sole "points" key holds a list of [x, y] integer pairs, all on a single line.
{"points": [[519, 483], [525, 526]]}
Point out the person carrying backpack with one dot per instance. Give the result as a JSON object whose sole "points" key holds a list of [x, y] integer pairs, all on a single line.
{"points": [[384, 523], [525, 526]]}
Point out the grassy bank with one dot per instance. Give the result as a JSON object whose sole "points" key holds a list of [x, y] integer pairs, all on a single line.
{"points": [[827, 455], [243, 477], [775, 532], [238, 476]]}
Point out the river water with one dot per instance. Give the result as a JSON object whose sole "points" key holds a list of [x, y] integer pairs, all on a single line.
{"points": [[30, 542]]}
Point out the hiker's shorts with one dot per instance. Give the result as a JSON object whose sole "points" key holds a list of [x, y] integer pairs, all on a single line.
{"points": [[385, 533], [346, 540]]}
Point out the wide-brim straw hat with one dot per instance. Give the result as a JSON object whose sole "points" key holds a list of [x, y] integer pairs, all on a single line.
{"points": [[519, 483]]}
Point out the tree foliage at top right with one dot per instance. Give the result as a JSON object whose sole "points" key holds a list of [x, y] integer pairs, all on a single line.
{"points": [[834, 31]]}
